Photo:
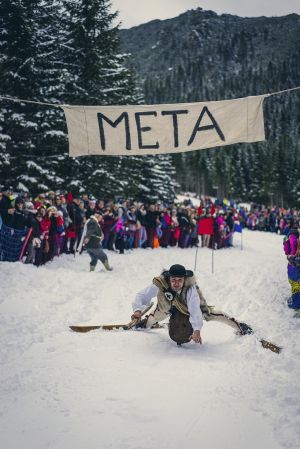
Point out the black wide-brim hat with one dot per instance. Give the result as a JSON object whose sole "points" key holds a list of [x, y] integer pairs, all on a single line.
{"points": [[178, 271]]}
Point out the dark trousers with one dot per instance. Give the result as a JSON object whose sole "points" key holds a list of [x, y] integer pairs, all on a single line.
{"points": [[95, 255]]}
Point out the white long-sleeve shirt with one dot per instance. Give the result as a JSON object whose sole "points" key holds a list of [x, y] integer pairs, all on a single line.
{"points": [[143, 300]]}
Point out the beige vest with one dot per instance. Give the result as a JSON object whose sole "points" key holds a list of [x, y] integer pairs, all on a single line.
{"points": [[179, 301], [162, 310]]}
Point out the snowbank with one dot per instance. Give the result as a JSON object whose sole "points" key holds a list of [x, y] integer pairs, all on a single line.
{"points": [[138, 390]]}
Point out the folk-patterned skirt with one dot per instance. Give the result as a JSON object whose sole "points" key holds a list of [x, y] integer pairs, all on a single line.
{"points": [[294, 280]]}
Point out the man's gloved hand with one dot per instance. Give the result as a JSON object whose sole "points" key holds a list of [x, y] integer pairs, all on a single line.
{"points": [[142, 324]]}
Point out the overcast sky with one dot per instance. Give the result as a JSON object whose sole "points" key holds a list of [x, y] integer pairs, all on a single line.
{"points": [[135, 12]]}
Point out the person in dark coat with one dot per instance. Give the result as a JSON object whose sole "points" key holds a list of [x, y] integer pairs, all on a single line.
{"points": [[18, 219], [152, 222], [185, 228], [91, 209], [92, 239], [141, 220], [131, 221], [230, 223], [6, 205], [107, 225], [34, 242], [76, 217], [51, 211]]}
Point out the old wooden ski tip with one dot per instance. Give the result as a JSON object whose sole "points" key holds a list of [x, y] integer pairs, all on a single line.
{"points": [[268, 345], [109, 327], [106, 327]]}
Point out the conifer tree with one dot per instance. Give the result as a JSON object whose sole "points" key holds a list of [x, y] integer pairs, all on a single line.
{"points": [[65, 51], [30, 70], [18, 78], [96, 74]]}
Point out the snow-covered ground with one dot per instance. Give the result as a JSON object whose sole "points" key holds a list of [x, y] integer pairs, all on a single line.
{"points": [[138, 390]]}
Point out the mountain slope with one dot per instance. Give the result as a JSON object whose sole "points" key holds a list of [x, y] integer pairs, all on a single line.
{"points": [[201, 56]]}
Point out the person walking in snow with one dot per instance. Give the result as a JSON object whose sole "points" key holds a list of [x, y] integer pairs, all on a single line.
{"points": [[92, 237], [180, 298]]}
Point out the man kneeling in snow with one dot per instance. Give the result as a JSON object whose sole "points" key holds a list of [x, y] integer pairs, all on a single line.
{"points": [[179, 297]]}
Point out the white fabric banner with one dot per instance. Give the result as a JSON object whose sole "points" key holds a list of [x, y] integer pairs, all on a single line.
{"points": [[165, 128]]}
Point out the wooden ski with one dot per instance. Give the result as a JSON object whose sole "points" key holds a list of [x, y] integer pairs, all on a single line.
{"points": [[268, 345], [109, 327], [129, 326]]}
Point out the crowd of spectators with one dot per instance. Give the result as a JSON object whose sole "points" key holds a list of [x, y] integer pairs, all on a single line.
{"points": [[270, 219], [56, 222]]}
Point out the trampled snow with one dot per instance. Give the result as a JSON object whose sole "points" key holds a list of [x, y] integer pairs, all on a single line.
{"points": [[137, 389]]}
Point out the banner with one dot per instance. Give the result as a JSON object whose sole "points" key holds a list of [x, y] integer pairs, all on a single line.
{"points": [[165, 128]]}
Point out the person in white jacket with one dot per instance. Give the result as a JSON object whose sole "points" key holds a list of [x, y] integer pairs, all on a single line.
{"points": [[178, 298]]}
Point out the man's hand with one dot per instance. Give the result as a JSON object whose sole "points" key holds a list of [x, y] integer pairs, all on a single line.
{"points": [[196, 337], [136, 315], [11, 211]]}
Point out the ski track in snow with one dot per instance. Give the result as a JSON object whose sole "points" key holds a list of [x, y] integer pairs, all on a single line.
{"points": [[138, 390]]}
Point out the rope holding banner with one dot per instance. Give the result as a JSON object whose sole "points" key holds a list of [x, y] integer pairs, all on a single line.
{"points": [[18, 100], [282, 91]]}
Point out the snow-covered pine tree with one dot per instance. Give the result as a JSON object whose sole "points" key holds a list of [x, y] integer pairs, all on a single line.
{"points": [[4, 155], [65, 51], [51, 139], [159, 175], [32, 136], [93, 75], [18, 78], [96, 74]]}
